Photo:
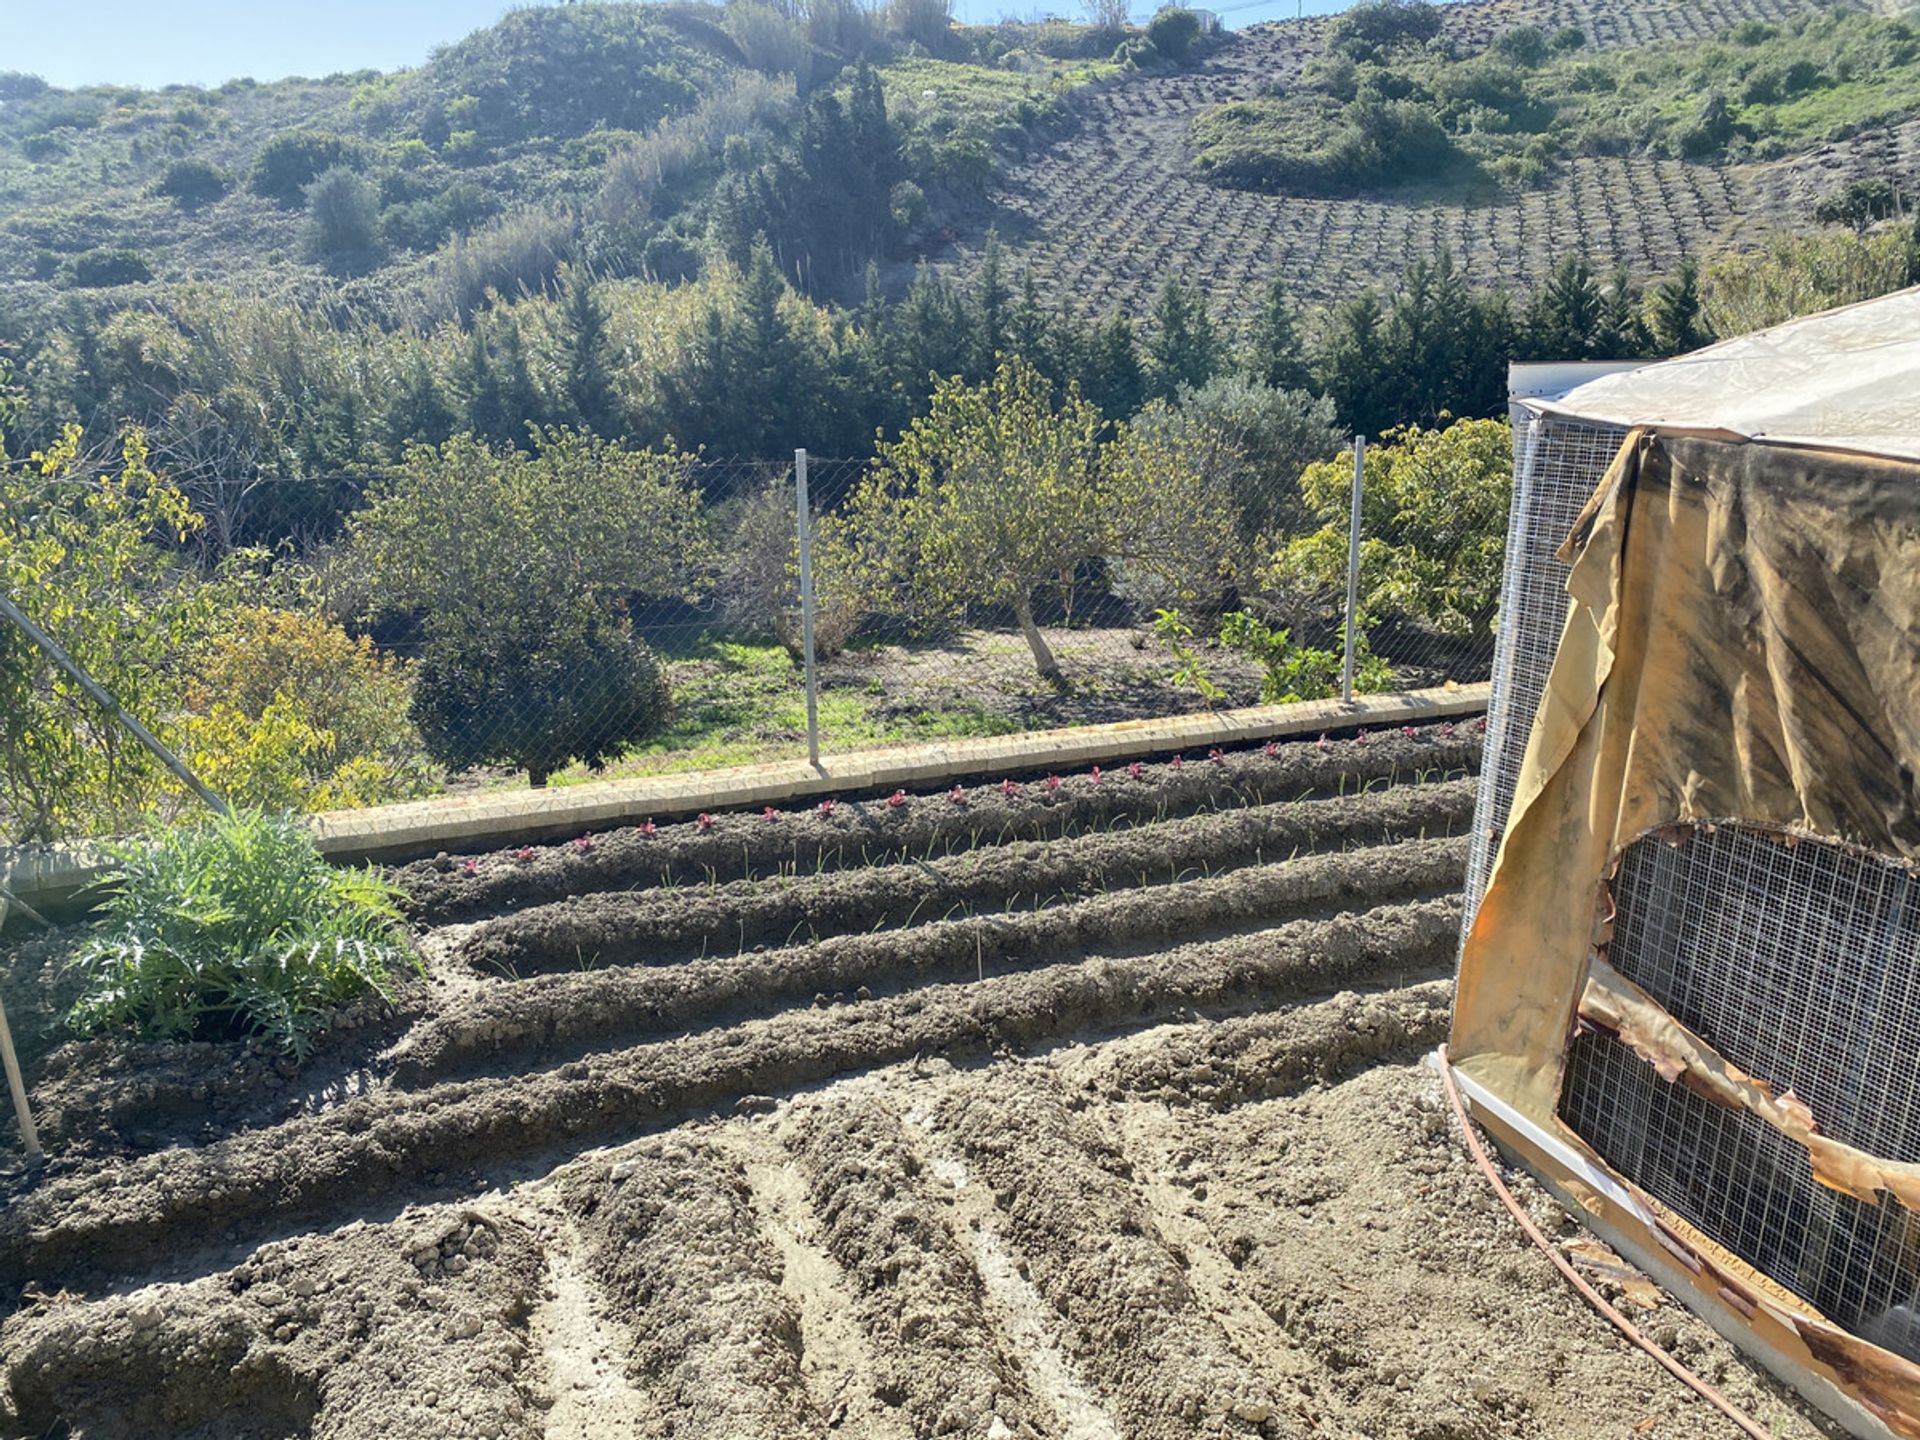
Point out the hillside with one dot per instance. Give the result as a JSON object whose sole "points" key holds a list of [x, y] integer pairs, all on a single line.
{"points": [[647, 140], [631, 137], [1105, 214]]}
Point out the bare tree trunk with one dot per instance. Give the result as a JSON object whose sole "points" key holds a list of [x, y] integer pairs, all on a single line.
{"points": [[1042, 657]]}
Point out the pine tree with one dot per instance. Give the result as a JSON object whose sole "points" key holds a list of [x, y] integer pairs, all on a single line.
{"points": [[519, 399], [1671, 312], [1275, 355], [418, 409], [1347, 364], [482, 400], [989, 308], [931, 335], [1183, 348], [589, 381], [1113, 377], [1027, 331], [1618, 334], [1562, 320]]}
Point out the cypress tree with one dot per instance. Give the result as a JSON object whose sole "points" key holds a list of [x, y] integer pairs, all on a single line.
{"points": [[1671, 312], [584, 357], [482, 399], [1113, 377]]}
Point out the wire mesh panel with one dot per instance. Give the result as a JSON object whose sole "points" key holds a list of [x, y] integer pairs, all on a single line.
{"points": [[1558, 463], [1799, 960]]}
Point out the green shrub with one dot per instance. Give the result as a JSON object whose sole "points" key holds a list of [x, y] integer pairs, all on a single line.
{"points": [[584, 689], [291, 712], [1172, 32], [290, 162], [194, 182], [235, 926], [343, 215], [533, 662], [96, 269], [1373, 26], [1300, 672]]}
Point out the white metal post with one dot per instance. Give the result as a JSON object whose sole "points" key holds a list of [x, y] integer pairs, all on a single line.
{"points": [[1353, 568], [805, 512]]}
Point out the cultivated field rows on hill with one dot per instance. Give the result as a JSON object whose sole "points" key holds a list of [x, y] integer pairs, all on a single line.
{"points": [[1103, 216]]}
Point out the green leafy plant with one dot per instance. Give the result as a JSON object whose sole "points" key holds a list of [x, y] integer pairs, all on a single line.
{"points": [[233, 926], [1295, 671], [1177, 635], [1434, 522], [533, 661]]}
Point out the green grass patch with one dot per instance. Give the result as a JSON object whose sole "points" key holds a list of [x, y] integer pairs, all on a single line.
{"points": [[739, 703]]}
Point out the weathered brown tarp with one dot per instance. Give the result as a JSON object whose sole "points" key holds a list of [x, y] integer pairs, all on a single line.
{"points": [[1742, 639]]}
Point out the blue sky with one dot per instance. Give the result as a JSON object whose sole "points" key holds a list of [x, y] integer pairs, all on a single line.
{"points": [[154, 42]]}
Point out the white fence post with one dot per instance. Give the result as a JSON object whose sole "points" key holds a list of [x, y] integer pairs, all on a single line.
{"points": [[1353, 568], [805, 512]]}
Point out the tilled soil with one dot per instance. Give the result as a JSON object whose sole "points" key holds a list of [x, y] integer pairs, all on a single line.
{"points": [[1088, 1111]]}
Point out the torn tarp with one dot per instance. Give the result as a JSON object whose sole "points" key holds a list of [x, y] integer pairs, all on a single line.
{"points": [[1742, 639]]}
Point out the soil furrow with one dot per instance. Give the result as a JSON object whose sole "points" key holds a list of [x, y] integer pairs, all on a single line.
{"points": [[858, 833], [1257, 1057], [123, 1214], [671, 1230], [837, 1354], [591, 1394], [664, 925], [414, 1328], [559, 1014], [920, 1296], [1092, 1251]]}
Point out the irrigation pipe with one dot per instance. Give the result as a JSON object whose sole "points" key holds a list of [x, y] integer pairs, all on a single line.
{"points": [[1592, 1296]]}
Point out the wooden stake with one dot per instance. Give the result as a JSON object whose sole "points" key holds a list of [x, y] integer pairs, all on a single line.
{"points": [[29, 1137]]}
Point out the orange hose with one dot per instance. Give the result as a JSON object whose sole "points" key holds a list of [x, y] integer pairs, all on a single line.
{"points": [[1593, 1297]]}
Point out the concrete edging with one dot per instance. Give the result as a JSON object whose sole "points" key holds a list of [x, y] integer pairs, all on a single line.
{"points": [[51, 876]]}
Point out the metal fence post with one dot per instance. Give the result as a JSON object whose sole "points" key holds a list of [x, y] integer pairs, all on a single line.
{"points": [[112, 706], [805, 512], [1353, 568]]}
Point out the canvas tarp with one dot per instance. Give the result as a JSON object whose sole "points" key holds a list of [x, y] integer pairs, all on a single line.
{"points": [[1742, 640], [1841, 380]]}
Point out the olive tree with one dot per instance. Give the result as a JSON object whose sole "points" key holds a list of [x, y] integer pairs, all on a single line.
{"points": [[518, 570]]}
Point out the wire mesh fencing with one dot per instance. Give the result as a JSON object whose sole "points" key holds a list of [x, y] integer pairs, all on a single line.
{"points": [[479, 619], [1558, 463]]}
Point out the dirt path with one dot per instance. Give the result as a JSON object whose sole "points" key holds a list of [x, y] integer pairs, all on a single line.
{"points": [[1128, 1141]]}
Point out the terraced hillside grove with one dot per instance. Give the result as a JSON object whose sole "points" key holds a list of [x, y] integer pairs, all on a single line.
{"points": [[1104, 215], [1077, 1106]]}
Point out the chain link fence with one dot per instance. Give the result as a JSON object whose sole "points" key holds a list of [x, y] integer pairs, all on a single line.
{"points": [[474, 621]]}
